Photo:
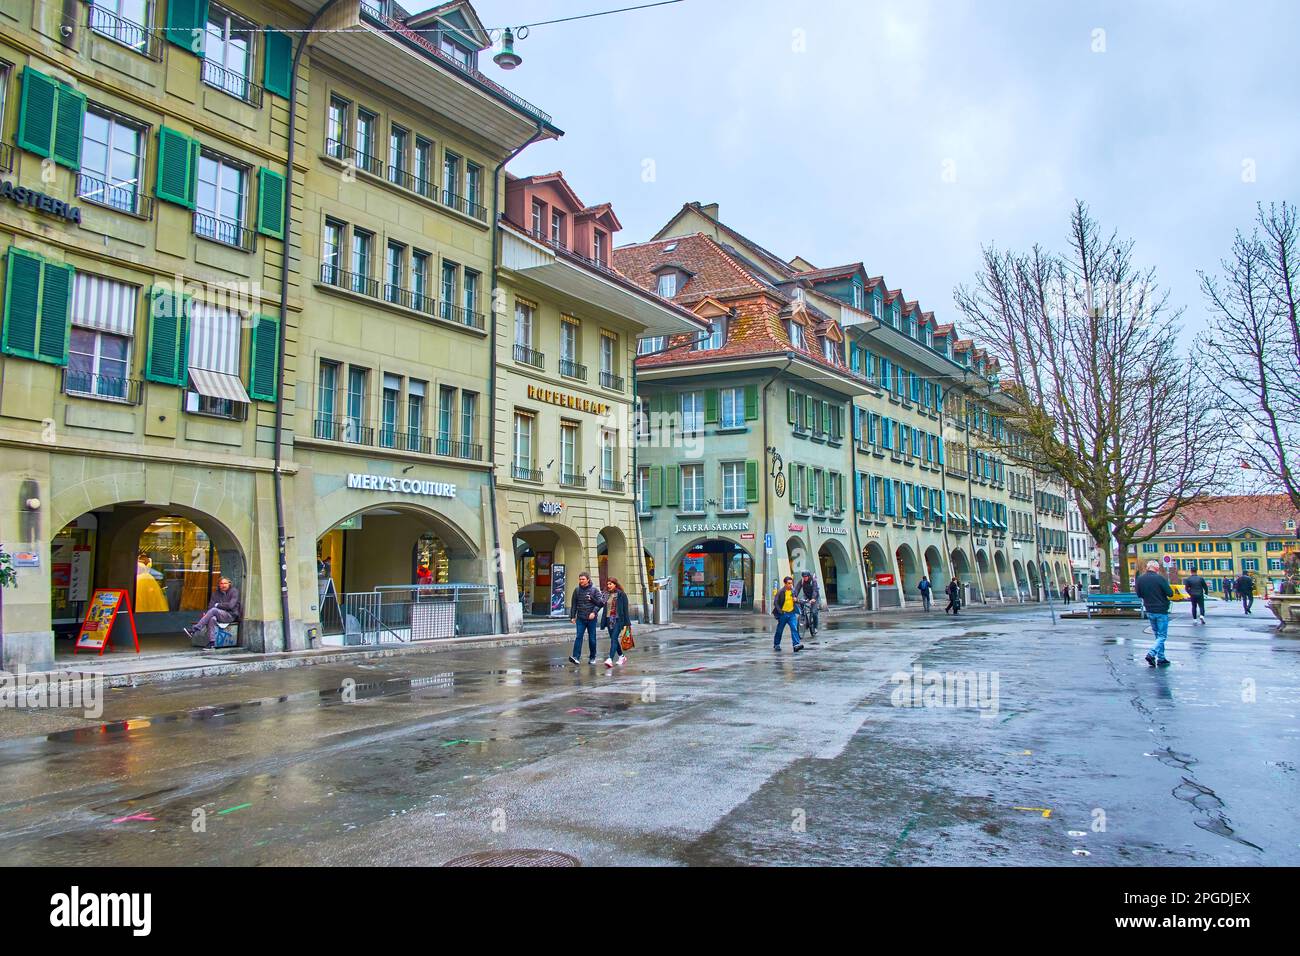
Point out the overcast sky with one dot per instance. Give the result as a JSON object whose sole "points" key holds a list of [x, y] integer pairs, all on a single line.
{"points": [[905, 133]]}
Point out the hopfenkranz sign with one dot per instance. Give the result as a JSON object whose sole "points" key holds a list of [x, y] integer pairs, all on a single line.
{"points": [[567, 401], [406, 486], [41, 202]]}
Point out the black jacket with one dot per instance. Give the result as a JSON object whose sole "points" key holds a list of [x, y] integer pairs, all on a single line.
{"points": [[620, 615], [1154, 591], [228, 602], [809, 589], [1244, 584], [585, 600], [1195, 585], [954, 591]]}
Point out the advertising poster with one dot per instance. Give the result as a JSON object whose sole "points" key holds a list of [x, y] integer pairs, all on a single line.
{"points": [[557, 591], [735, 592], [693, 574], [97, 629]]}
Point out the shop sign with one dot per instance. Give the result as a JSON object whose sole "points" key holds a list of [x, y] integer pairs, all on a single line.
{"points": [[735, 592], [885, 580], [27, 559], [747, 536], [34, 199], [873, 533], [97, 629], [406, 486], [794, 527], [705, 527], [831, 529], [551, 507], [567, 401]]}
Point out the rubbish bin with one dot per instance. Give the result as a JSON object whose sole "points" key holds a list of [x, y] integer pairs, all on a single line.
{"points": [[663, 601]]}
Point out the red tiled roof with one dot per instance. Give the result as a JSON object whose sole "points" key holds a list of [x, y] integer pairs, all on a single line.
{"points": [[1229, 514], [833, 272]]}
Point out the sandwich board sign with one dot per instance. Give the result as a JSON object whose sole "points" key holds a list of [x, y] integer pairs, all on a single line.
{"points": [[97, 629]]}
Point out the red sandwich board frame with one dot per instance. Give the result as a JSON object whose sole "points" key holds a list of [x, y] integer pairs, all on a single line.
{"points": [[104, 620]]}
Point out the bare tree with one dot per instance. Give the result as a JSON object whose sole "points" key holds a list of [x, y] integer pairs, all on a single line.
{"points": [[1256, 350], [1099, 394]]}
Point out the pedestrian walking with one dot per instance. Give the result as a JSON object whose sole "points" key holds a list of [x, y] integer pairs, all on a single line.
{"points": [[925, 589], [1245, 588], [1196, 587], [954, 597], [1065, 594], [1155, 592], [224, 610], [586, 604], [615, 617], [783, 609], [1227, 589]]}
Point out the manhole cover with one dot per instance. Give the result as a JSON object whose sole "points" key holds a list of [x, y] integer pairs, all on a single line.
{"points": [[515, 858]]}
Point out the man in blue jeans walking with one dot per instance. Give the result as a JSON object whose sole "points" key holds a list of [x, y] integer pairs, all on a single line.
{"points": [[587, 602], [1155, 592], [787, 615]]}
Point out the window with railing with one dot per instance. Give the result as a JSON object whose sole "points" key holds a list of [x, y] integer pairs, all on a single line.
{"points": [[221, 202], [227, 63], [125, 22], [99, 365], [112, 162]]}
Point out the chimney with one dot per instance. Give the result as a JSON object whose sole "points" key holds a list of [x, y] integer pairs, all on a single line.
{"points": [[711, 210]]}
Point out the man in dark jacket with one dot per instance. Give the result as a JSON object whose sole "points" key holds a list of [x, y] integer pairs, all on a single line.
{"points": [[1245, 588], [225, 609], [808, 590], [585, 607], [1196, 586], [924, 588], [954, 597], [1155, 592]]}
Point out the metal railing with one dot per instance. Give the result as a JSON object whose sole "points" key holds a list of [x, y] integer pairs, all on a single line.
{"points": [[525, 474], [529, 356], [464, 205], [458, 449], [225, 232], [108, 388], [365, 162], [573, 481], [353, 281], [132, 35], [400, 176], [461, 315], [612, 484], [234, 84], [6, 158], [343, 429], [404, 614], [611, 381], [572, 369], [128, 199]]}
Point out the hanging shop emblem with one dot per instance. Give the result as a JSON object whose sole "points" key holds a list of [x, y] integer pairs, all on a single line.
{"points": [[39, 201], [406, 486], [567, 401]]}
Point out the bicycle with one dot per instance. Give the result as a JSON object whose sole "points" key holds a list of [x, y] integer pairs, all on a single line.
{"points": [[808, 618]]}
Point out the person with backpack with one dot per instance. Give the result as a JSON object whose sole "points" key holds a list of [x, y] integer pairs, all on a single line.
{"points": [[954, 597], [925, 589], [586, 604], [783, 609], [1196, 587], [615, 617], [808, 591], [1245, 588]]}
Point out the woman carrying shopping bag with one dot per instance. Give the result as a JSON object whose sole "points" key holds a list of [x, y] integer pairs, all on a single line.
{"points": [[615, 617]]}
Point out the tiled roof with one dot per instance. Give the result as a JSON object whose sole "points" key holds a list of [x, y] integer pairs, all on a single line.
{"points": [[833, 272], [1229, 514]]}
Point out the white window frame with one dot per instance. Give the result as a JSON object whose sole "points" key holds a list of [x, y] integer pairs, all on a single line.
{"points": [[731, 407], [733, 486], [109, 185], [692, 488]]}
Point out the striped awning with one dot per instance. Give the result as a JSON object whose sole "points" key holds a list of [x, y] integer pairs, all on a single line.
{"points": [[105, 305], [218, 385], [214, 353]]}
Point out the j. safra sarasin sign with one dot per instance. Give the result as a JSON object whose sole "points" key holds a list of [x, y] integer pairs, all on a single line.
{"points": [[404, 486]]}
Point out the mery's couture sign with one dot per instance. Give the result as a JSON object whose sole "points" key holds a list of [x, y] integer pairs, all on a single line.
{"points": [[405, 486], [41, 202], [565, 400]]}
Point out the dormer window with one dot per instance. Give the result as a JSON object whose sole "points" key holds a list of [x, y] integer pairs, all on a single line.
{"points": [[911, 325], [1203, 526], [857, 296], [667, 287], [1169, 526], [1289, 524], [557, 227], [875, 307], [598, 246], [796, 333], [929, 336], [539, 218], [714, 339], [831, 350], [454, 50]]}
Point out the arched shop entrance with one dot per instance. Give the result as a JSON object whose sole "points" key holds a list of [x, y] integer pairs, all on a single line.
{"points": [[169, 561], [541, 550], [961, 570], [1022, 583], [838, 580], [1000, 565], [1035, 592], [715, 573], [611, 559], [797, 552], [391, 545], [987, 584], [934, 569], [882, 579], [908, 572]]}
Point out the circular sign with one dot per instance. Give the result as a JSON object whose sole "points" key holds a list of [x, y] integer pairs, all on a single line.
{"points": [[779, 485]]}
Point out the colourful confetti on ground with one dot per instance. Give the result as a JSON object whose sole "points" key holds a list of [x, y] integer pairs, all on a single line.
{"points": [[242, 806]]}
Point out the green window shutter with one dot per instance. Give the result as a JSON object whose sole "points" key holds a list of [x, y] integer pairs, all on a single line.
{"points": [[22, 302], [826, 417], [276, 73], [751, 481], [187, 21], [672, 493], [751, 402], [710, 406], [177, 172], [791, 405], [809, 411], [656, 486], [69, 116], [56, 311], [270, 203], [263, 359], [168, 329], [36, 113]]}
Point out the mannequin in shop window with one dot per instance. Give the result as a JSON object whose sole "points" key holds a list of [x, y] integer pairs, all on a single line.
{"points": [[148, 592]]}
